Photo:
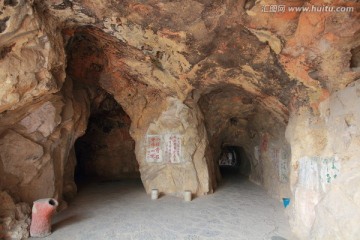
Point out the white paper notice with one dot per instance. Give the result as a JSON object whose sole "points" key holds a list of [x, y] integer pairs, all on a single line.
{"points": [[172, 148]]}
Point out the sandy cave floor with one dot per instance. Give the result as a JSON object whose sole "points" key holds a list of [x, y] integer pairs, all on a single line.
{"points": [[122, 210]]}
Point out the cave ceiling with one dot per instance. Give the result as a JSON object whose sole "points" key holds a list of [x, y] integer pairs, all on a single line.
{"points": [[187, 49]]}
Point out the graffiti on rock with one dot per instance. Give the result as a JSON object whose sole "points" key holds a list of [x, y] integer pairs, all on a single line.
{"points": [[315, 171], [329, 170]]}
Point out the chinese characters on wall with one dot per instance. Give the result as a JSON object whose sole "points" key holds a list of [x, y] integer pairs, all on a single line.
{"points": [[283, 166], [280, 156], [163, 148], [153, 149], [172, 148]]}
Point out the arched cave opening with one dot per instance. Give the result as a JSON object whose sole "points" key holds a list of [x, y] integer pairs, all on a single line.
{"points": [[246, 138], [106, 151]]}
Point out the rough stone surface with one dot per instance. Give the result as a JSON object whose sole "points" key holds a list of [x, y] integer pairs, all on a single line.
{"points": [[19, 154], [323, 166], [14, 218], [31, 64], [43, 120], [192, 172]]}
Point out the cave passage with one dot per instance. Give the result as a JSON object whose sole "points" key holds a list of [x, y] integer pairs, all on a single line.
{"points": [[246, 137], [106, 151], [233, 161]]}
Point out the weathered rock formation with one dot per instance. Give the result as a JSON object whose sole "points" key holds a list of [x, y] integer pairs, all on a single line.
{"points": [[325, 155], [14, 218], [160, 86]]}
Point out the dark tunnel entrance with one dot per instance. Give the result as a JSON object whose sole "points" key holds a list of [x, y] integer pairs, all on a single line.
{"points": [[233, 161], [106, 151]]}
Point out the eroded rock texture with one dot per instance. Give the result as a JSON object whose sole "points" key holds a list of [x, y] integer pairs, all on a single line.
{"points": [[14, 218], [168, 83]]}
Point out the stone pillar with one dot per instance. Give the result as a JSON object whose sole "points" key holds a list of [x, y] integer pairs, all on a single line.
{"points": [[171, 152]]}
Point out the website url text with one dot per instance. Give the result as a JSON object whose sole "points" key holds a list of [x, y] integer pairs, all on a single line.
{"points": [[313, 8]]}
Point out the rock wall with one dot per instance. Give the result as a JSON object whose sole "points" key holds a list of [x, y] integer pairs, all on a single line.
{"points": [[270, 154], [173, 150], [245, 166], [325, 167], [32, 63], [14, 218], [35, 144], [35, 121]]}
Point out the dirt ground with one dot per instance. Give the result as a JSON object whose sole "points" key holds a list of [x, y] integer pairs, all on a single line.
{"points": [[122, 210]]}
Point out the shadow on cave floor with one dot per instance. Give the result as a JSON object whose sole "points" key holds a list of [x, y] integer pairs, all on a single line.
{"points": [[231, 175], [83, 181]]}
